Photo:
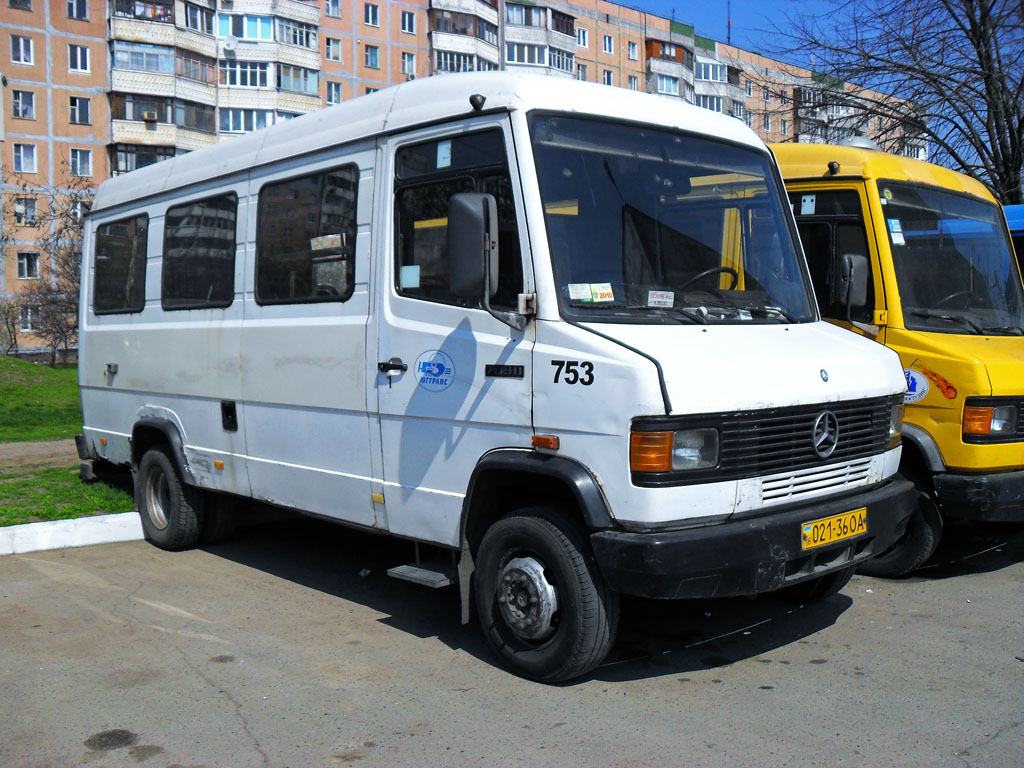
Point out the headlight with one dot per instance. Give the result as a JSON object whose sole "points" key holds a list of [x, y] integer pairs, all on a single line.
{"points": [[896, 424], [673, 451], [990, 420]]}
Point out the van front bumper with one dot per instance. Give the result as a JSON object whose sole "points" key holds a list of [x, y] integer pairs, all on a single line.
{"points": [[753, 555], [996, 497]]}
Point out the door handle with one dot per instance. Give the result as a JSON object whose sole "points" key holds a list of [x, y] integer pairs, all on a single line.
{"points": [[391, 366]]}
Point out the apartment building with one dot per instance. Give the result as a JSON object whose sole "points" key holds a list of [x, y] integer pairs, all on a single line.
{"points": [[102, 87]]}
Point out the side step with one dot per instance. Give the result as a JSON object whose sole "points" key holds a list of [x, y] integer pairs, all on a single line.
{"points": [[434, 575]]}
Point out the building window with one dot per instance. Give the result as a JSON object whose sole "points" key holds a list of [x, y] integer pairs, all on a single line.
{"points": [[297, 79], [20, 5], [371, 57], [705, 70], [750, 88], [333, 49], [81, 162], [78, 110], [333, 92], [408, 63], [766, 122], [669, 85], [296, 33], [784, 98], [525, 15], [78, 9], [748, 118], [667, 51], [447, 61], [23, 104], [332, 8], [195, 66], [25, 211], [25, 158], [522, 53], [562, 60], [28, 319], [409, 22], [607, 44], [464, 24], [582, 37], [737, 110], [78, 58], [714, 103], [784, 127], [161, 11], [134, 106], [197, 117], [130, 157], [370, 90], [563, 24], [634, 83], [199, 19], [632, 51], [28, 266], [21, 49], [766, 94], [581, 72], [245, 27], [143, 57], [371, 15], [243, 74], [607, 78], [245, 120]]}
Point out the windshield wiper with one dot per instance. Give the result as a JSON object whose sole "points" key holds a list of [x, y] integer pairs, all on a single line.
{"points": [[1009, 330], [962, 319]]}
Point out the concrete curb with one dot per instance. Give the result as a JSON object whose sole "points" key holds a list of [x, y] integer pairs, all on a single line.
{"points": [[62, 534]]}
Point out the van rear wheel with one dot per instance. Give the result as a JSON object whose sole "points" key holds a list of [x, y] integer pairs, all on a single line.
{"points": [[171, 511], [544, 606]]}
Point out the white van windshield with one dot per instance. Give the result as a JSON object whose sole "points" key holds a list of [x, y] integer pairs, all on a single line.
{"points": [[654, 226], [953, 262]]}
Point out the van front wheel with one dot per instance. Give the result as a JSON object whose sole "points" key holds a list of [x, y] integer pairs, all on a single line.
{"points": [[171, 511], [544, 606]]}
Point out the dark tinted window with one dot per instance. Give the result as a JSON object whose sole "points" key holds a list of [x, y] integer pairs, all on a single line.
{"points": [[306, 238], [119, 281], [199, 254]]}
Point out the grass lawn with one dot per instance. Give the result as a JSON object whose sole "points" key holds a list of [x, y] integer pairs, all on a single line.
{"points": [[34, 495], [38, 402]]}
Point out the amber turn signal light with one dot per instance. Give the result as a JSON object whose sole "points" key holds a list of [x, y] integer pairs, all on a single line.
{"points": [[650, 451], [546, 441], [977, 420]]}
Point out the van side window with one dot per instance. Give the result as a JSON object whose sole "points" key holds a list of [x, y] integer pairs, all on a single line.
{"points": [[831, 224], [199, 254], [119, 281], [306, 238], [427, 175]]}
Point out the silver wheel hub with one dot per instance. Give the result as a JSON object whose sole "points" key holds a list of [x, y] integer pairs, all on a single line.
{"points": [[528, 601], [158, 498]]}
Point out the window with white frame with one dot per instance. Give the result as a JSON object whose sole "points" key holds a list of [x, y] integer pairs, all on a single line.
{"points": [[523, 53], [525, 15], [562, 60], [607, 44], [245, 120], [296, 33], [714, 103], [245, 27], [582, 72], [409, 22], [21, 49], [78, 58], [24, 158], [333, 49], [371, 57], [750, 88], [81, 162], [371, 15], [607, 77], [632, 51], [634, 83], [706, 70], [23, 104], [408, 63], [784, 98], [28, 319], [198, 18], [78, 110], [20, 5], [748, 118], [669, 85], [737, 110], [332, 8], [28, 266], [449, 61], [25, 211], [766, 94], [243, 74], [78, 9], [766, 122], [143, 57], [582, 37], [333, 92], [297, 79], [784, 127]]}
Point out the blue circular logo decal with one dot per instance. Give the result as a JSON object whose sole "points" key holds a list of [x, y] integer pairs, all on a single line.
{"points": [[917, 386], [435, 370], [824, 375]]}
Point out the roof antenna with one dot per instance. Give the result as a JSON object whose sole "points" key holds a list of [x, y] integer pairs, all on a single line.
{"points": [[728, 26], [477, 101]]}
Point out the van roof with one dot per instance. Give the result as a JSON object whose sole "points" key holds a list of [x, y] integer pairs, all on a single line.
{"points": [[810, 162], [404, 106]]}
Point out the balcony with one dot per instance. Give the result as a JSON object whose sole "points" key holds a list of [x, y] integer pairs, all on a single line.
{"points": [[159, 134], [134, 81], [473, 7]]}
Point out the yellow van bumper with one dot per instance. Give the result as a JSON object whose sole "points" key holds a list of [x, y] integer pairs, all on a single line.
{"points": [[996, 497]]}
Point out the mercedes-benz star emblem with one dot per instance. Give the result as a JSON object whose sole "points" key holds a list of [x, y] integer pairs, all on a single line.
{"points": [[825, 434]]}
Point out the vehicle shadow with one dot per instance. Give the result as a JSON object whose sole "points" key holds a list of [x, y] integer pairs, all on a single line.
{"points": [[655, 637], [971, 548]]}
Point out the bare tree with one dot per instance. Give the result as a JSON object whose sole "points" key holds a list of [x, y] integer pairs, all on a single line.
{"points": [[955, 68]]}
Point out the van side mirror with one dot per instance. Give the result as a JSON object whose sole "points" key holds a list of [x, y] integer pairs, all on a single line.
{"points": [[472, 245], [854, 272]]}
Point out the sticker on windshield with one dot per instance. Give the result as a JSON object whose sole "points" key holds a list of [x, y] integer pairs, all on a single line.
{"points": [[435, 370], [917, 386], [896, 232], [590, 292], [886, 195], [444, 154], [661, 299], [602, 291], [807, 203], [580, 292]]}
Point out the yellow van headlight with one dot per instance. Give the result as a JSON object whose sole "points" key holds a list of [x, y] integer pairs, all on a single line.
{"points": [[990, 420], [896, 424], [675, 451]]}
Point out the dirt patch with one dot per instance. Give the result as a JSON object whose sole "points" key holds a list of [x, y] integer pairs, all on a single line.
{"points": [[41, 455]]}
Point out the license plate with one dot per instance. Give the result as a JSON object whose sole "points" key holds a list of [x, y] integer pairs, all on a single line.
{"points": [[835, 528]]}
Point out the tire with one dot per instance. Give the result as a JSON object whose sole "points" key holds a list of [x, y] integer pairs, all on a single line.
{"points": [[220, 518], [171, 511], [913, 548], [812, 590], [570, 627]]}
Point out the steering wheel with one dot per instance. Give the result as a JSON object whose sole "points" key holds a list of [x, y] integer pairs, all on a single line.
{"points": [[952, 297], [713, 271]]}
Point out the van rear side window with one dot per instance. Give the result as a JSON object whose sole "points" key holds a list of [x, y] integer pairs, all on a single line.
{"points": [[306, 238], [199, 254], [119, 282]]}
